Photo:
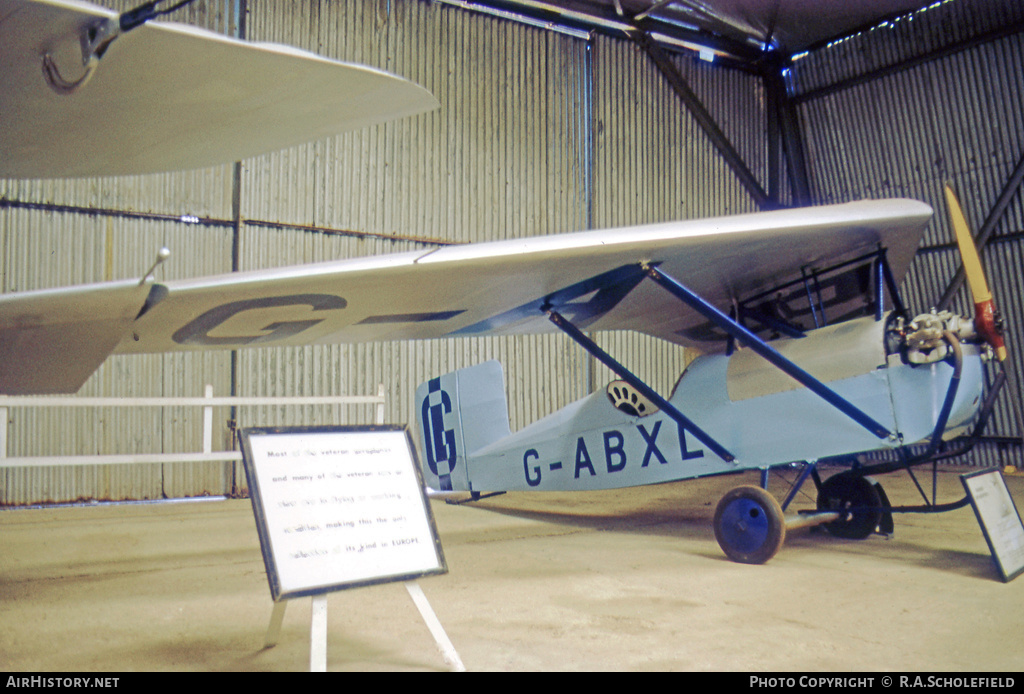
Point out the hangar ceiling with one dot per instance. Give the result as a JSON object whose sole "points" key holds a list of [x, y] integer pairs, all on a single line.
{"points": [[739, 29]]}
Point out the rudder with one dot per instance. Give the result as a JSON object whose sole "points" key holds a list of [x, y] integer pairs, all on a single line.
{"points": [[456, 414]]}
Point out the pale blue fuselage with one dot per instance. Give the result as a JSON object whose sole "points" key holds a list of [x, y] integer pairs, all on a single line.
{"points": [[758, 414]]}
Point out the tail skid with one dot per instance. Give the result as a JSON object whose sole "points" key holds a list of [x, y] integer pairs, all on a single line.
{"points": [[459, 413]]}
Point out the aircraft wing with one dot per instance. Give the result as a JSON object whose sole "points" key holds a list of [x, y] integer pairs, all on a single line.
{"points": [[489, 288], [51, 341], [167, 97]]}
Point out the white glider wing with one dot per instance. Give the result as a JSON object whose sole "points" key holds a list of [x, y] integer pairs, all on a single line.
{"points": [[592, 278], [51, 341], [167, 97]]}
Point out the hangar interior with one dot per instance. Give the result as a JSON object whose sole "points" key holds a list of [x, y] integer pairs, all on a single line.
{"points": [[554, 117]]}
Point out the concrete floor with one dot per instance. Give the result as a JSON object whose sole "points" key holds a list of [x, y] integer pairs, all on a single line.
{"points": [[618, 580]]}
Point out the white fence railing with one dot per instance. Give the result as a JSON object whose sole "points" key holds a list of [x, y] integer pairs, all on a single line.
{"points": [[207, 403]]}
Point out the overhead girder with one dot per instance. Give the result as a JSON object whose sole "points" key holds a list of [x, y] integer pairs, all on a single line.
{"points": [[888, 70], [589, 17], [703, 118], [656, 36], [782, 126]]}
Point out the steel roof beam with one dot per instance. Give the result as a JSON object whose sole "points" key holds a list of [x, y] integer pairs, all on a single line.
{"points": [[700, 113], [585, 16]]}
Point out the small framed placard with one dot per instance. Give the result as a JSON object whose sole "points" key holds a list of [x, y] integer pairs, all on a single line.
{"points": [[339, 507], [999, 519]]}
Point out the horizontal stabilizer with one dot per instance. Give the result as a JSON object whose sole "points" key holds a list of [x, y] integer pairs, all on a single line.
{"points": [[52, 341]]}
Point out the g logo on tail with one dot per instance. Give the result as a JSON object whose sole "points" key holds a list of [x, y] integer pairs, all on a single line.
{"points": [[438, 441]]}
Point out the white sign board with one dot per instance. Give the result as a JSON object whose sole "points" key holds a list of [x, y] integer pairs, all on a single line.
{"points": [[999, 519], [339, 507]]}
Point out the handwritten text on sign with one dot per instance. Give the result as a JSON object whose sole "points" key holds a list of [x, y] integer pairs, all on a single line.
{"points": [[342, 507]]}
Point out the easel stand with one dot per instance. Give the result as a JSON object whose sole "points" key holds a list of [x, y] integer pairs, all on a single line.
{"points": [[341, 507], [318, 629]]}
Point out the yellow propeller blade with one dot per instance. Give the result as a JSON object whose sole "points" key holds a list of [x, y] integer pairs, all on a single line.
{"points": [[985, 319], [968, 251]]}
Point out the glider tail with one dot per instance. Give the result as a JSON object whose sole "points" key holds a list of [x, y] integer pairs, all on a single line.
{"points": [[457, 414]]}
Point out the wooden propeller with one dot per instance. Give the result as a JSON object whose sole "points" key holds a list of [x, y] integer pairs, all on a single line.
{"points": [[986, 319]]}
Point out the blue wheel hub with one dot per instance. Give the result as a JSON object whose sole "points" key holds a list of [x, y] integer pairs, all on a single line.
{"points": [[744, 525]]}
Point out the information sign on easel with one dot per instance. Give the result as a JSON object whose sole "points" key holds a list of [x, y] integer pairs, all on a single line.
{"points": [[999, 519], [340, 507]]}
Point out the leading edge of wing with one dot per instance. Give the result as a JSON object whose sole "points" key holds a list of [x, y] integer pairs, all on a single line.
{"points": [[501, 287], [52, 340], [167, 97]]}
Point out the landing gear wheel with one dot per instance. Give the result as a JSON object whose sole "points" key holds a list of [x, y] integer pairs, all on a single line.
{"points": [[847, 491], [749, 525]]}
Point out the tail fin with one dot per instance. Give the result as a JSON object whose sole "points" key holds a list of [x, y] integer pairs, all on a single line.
{"points": [[457, 414]]}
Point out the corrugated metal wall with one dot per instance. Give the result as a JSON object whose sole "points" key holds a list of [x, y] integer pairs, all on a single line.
{"points": [[953, 112], [502, 158], [42, 248], [653, 163], [538, 132], [512, 152]]}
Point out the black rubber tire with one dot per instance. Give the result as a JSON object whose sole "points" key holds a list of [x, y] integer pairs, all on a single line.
{"points": [[749, 525], [857, 499]]}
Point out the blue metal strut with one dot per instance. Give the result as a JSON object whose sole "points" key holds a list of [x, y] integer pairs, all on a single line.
{"points": [[765, 350], [623, 373]]}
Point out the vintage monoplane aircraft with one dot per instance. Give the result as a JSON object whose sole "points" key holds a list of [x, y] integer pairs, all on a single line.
{"points": [[872, 380], [847, 370]]}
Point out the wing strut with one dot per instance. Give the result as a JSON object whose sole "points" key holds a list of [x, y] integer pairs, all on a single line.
{"points": [[765, 350], [572, 331]]}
